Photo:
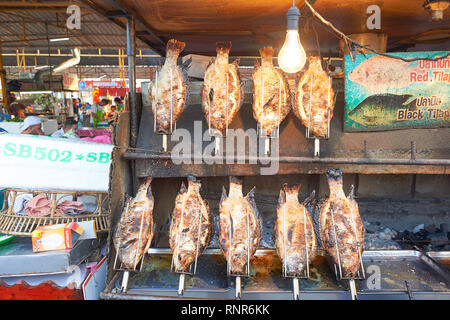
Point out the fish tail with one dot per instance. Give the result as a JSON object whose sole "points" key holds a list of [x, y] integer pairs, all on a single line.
{"points": [[266, 53], [146, 184], [175, 46], [193, 182], [294, 189], [223, 47], [334, 174]]}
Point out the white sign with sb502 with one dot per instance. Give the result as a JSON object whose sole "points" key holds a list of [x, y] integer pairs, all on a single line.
{"points": [[46, 163]]}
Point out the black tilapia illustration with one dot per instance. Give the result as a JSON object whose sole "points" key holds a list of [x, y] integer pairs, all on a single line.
{"points": [[381, 109]]}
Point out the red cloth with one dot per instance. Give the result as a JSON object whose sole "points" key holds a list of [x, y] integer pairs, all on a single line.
{"points": [[40, 206]]}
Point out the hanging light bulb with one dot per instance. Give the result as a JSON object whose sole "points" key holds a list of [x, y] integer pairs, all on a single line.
{"points": [[292, 56]]}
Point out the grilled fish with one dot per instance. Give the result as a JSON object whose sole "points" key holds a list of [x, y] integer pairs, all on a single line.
{"points": [[322, 97], [240, 227], [271, 97], [223, 103], [169, 91], [342, 212], [191, 226], [134, 231], [293, 220]]}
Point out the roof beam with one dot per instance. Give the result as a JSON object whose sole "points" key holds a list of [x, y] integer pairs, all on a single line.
{"points": [[103, 12]]}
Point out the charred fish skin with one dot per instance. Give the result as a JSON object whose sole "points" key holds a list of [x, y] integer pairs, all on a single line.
{"points": [[322, 97], [294, 247], [169, 90], [221, 92], [191, 226], [240, 227], [349, 228], [135, 229], [271, 95]]}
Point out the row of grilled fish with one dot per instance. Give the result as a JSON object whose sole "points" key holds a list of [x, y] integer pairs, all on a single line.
{"points": [[222, 93], [340, 228]]}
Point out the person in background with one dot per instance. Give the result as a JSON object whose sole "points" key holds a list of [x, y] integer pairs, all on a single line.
{"points": [[99, 114], [32, 125], [15, 108], [67, 131], [112, 116], [76, 106], [118, 103]]}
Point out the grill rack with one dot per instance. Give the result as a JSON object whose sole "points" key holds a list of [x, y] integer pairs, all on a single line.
{"points": [[338, 268], [308, 128], [172, 127], [295, 277], [238, 290], [260, 132], [190, 272], [126, 271]]}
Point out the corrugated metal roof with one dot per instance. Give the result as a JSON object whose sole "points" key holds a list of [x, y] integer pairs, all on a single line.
{"points": [[96, 31]]}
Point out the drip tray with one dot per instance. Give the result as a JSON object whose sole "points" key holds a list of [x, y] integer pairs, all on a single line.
{"points": [[395, 274]]}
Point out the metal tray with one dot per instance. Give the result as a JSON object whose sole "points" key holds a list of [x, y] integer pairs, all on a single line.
{"points": [[395, 274]]}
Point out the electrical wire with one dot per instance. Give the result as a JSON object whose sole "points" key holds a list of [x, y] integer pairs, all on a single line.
{"points": [[367, 47]]}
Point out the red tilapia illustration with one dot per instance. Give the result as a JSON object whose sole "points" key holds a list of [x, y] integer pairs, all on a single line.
{"points": [[380, 73]]}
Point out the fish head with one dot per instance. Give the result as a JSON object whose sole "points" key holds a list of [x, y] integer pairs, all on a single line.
{"points": [[368, 115], [185, 255], [359, 74], [238, 258]]}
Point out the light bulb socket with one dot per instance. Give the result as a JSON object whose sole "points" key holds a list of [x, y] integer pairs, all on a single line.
{"points": [[292, 18]]}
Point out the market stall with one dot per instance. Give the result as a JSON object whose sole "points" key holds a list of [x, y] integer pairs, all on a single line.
{"points": [[343, 149]]}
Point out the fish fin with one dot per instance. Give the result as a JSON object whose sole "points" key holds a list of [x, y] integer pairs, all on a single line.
{"points": [[183, 188], [257, 65], [211, 61], [251, 199], [187, 83], [269, 101], [281, 197], [211, 95], [351, 195], [236, 62], [223, 47], [266, 53], [309, 199], [409, 99], [223, 196], [187, 64], [175, 46]]}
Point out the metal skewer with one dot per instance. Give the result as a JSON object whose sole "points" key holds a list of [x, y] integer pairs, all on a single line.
{"points": [[183, 274], [338, 268], [353, 292], [126, 272]]}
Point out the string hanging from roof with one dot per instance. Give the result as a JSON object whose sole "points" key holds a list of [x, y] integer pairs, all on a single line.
{"points": [[348, 40]]}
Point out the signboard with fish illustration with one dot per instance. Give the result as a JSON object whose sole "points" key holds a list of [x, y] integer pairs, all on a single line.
{"points": [[384, 93]]}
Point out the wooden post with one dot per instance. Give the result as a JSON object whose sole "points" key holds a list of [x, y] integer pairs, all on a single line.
{"points": [[3, 80]]}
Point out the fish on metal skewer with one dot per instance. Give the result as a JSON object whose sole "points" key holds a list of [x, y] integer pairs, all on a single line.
{"points": [[190, 228], [295, 238], [222, 93], [271, 96], [314, 98], [169, 90], [135, 229], [240, 230], [341, 229]]}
